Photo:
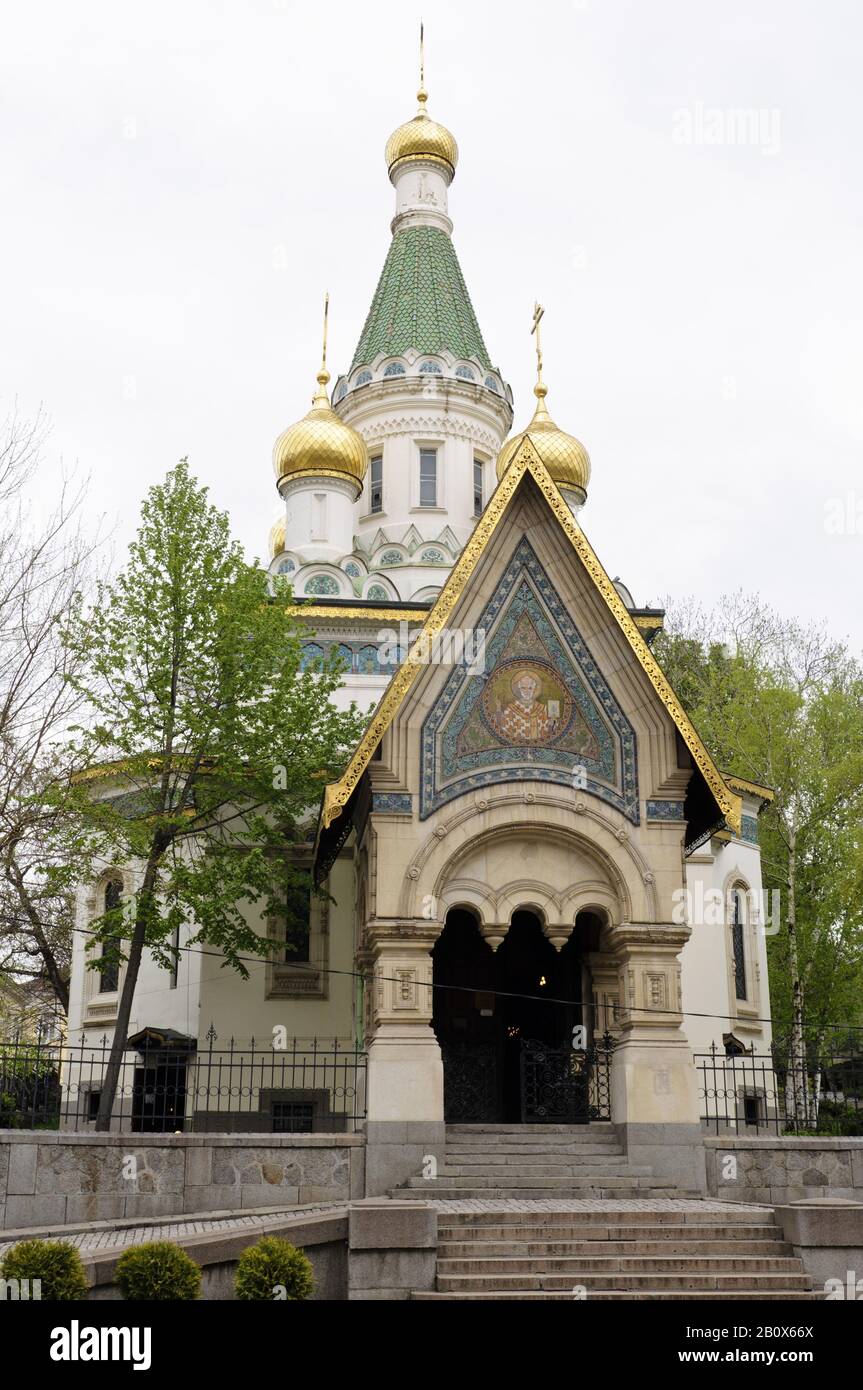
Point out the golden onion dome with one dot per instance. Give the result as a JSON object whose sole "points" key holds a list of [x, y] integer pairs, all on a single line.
{"points": [[321, 445], [564, 456], [422, 138], [277, 536]]}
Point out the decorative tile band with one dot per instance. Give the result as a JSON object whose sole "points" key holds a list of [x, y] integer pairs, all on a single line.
{"points": [[665, 810], [749, 829], [393, 803]]}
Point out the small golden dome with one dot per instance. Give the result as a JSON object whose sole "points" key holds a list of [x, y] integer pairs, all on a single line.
{"points": [[564, 456], [422, 138], [277, 536], [321, 444]]}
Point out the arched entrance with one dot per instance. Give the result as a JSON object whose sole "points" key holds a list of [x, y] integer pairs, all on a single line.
{"points": [[492, 1007]]}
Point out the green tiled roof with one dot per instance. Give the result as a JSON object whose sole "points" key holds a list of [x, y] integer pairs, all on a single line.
{"points": [[421, 302]]}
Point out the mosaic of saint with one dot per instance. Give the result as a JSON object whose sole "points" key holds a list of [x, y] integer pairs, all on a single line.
{"points": [[525, 702]]}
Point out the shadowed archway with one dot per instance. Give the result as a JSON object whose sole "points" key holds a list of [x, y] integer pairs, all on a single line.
{"points": [[489, 1004]]}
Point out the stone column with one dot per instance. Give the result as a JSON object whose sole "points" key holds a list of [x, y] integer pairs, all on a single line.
{"points": [[405, 1071], [654, 1094]]}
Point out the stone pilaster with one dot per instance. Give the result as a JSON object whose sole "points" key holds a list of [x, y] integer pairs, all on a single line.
{"points": [[405, 1071], [653, 1077]]}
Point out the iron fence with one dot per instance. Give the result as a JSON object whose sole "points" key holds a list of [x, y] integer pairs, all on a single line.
{"points": [[797, 1089], [303, 1087]]}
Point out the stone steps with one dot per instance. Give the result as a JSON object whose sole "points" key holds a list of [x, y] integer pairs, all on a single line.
{"points": [[480, 1265], [601, 1191], [533, 1162], [499, 1130], [752, 1283], [535, 1172], [555, 1249], [481, 1153], [659, 1218], [667, 1252], [761, 1295]]}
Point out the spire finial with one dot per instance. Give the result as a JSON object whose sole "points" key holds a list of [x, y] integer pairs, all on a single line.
{"points": [[422, 94], [323, 375]]}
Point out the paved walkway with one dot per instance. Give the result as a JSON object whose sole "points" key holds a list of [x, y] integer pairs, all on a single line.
{"points": [[104, 1236]]}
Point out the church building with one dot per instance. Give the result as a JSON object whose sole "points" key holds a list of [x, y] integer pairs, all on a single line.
{"points": [[542, 897]]}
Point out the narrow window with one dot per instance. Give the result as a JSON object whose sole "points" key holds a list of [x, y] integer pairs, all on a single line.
{"points": [[319, 517], [428, 477], [376, 483], [109, 978], [298, 924], [477, 487], [738, 945]]}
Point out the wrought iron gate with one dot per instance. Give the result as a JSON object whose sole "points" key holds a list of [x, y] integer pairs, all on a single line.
{"points": [[565, 1085], [471, 1083]]}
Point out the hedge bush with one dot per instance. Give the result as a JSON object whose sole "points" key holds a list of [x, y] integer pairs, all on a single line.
{"points": [[274, 1269], [56, 1264], [158, 1270]]}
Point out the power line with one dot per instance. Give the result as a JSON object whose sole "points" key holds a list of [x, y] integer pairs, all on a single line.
{"points": [[470, 989]]}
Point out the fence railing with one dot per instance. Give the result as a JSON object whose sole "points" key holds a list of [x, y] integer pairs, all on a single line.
{"points": [[304, 1087], [788, 1090]]}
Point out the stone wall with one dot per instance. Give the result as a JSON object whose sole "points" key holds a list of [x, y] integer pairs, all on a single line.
{"points": [[777, 1171], [51, 1179]]}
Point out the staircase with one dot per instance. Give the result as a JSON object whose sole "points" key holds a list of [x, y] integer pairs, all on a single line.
{"points": [[615, 1254], [534, 1162]]}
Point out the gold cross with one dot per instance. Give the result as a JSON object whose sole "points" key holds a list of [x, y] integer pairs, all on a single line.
{"points": [[326, 317], [538, 312]]}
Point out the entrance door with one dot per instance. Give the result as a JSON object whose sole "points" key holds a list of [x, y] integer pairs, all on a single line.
{"points": [[491, 1004]]}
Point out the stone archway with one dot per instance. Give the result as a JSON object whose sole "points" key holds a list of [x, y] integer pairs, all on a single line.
{"points": [[526, 851], [497, 995]]}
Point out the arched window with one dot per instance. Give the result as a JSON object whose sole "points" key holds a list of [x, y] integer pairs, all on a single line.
{"points": [[353, 569], [738, 941], [391, 557], [467, 373], [492, 384], [378, 591], [363, 379], [394, 369], [430, 369], [311, 656], [322, 584], [368, 661], [109, 978]]}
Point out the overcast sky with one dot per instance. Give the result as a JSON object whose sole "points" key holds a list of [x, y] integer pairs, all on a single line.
{"points": [[181, 182]]}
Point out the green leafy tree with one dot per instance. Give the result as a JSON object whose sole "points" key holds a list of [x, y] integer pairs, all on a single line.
{"points": [[781, 703], [207, 741]]}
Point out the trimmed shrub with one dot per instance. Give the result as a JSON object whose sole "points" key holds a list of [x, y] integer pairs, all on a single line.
{"points": [[158, 1270], [274, 1269], [55, 1263]]}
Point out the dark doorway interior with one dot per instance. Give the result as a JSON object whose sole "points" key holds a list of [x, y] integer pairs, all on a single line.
{"points": [[496, 1001]]}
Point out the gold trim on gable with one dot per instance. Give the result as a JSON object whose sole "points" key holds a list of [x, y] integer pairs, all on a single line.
{"points": [[527, 460], [740, 784]]}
